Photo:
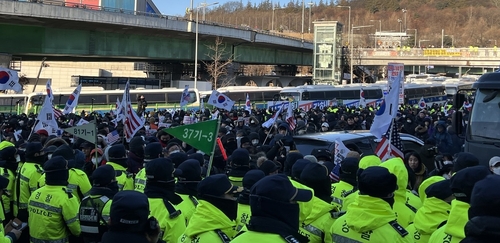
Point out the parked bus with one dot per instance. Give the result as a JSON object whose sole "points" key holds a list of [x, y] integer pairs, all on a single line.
{"points": [[432, 92], [310, 96], [259, 96], [105, 100], [453, 86]]}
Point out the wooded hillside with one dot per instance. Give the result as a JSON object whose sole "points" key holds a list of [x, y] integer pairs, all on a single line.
{"points": [[465, 22]]}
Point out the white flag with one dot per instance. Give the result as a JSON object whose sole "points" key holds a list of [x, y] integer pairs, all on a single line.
{"points": [[421, 103], [202, 106], [9, 79], [81, 122], [389, 106], [72, 100], [46, 117], [272, 120], [248, 106], [220, 100], [50, 95], [340, 151], [185, 96], [362, 100]]}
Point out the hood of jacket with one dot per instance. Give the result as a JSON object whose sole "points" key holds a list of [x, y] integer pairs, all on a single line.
{"points": [[368, 213], [425, 184], [483, 229], [318, 209], [367, 161], [431, 215], [305, 207], [457, 219], [398, 168], [208, 218]]}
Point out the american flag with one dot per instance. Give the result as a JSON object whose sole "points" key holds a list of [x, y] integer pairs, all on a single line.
{"points": [[290, 119], [395, 145], [335, 173], [113, 137], [133, 122], [57, 112]]}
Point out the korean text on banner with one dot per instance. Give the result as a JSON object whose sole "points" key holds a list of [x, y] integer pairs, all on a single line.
{"points": [[201, 135], [86, 132]]}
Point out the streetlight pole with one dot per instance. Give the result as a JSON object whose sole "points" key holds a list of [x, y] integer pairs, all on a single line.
{"points": [[310, 8], [351, 51], [272, 21], [349, 20], [380, 30], [303, 10], [191, 11], [203, 5], [442, 38], [415, 37], [404, 11]]}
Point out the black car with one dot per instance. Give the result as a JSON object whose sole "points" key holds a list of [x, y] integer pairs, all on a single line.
{"points": [[361, 141]]}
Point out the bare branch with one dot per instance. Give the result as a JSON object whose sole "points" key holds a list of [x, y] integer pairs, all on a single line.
{"points": [[217, 67]]}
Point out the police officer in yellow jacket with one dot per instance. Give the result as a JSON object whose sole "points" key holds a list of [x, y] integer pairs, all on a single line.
{"points": [[214, 218], [53, 210], [434, 213], [186, 187], [118, 160], [250, 178], [26, 182], [275, 213], [160, 190], [323, 214], [151, 151], [462, 184], [404, 212], [371, 218], [78, 182], [348, 170], [14, 234], [95, 208], [8, 163], [240, 164], [365, 162]]}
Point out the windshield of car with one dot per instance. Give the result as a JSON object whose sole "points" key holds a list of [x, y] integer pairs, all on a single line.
{"points": [[484, 124], [305, 146]]}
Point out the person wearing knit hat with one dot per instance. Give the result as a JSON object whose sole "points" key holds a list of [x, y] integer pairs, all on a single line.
{"points": [[316, 176], [464, 160], [484, 214], [240, 165], [98, 202], [160, 190], [244, 213], [269, 167], [78, 180], [186, 187], [433, 213], [290, 160], [348, 169], [53, 206], [129, 220], [311, 158], [118, 160], [217, 203], [275, 211], [151, 151], [14, 234], [462, 184], [135, 158], [372, 212], [30, 171]]}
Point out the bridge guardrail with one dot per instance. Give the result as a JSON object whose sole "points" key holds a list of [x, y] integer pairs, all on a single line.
{"points": [[452, 53], [154, 15]]}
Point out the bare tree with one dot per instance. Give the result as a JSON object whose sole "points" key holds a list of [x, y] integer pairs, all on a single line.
{"points": [[218, 65]]}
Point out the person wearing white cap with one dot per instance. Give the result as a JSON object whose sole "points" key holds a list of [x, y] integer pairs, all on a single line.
{"points": [[325, 127], [495, 165]]}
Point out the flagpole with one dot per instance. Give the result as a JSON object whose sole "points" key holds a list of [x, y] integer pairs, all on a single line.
{"points": [[95, 139], [390, 136], [210, 163]]}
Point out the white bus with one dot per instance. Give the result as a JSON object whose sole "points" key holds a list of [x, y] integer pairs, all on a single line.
{"points": [[105, 100], [259, 96], [432, 92], [311, 96], [13, 103]]}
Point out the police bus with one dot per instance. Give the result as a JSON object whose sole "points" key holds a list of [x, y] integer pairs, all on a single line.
{"points": [[453, 86], [97, 99], [13, 103], [311, 96], [259, 96]]}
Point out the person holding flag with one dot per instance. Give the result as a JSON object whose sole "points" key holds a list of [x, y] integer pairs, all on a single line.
{"points": [[220, 100], [72, 100], [421, 103], [290, 119], [133, 122], [362, 100]]}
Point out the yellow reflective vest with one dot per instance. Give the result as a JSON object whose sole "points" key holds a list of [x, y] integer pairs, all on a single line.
{"points": [[453, 231], [428, 219], [26, 183], [140, 181], [52, 211], [172, 224], [125, 180], [339, 191], [78, 183]]}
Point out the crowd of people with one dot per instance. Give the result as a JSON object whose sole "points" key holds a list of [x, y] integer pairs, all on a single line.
{"points": [[259, 188]]}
